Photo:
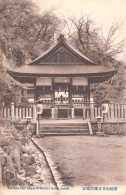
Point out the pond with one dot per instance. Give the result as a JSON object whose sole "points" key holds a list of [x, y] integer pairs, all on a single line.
{"points": [[87, 160]]}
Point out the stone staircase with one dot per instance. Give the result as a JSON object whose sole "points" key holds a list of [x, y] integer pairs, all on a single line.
{"points": [[66, 128]]}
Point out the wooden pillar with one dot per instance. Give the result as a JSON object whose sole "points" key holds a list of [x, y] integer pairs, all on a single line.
{"points": [[72, 112], [91, 107], [35, 91], [12, 110], [5, 112], [112, 110], [121, 111], [16, 112], [30, 112], [8, 111], [20, 116], [53, 113], [88, 91], [70, 92], [118, 110], [26, 112], [124, 111], [115, 111], [53, 93], [84, 113], [34, 113], [23, 111]]}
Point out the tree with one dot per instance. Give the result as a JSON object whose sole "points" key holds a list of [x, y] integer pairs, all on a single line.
{"points": [[90, 41], [24, 32], [10, 90]]}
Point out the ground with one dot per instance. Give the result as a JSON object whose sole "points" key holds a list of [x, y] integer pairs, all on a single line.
{"points": [[87, 160]]}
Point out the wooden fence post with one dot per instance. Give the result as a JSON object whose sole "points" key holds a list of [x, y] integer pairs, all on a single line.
{"points": [[84, 112], [19, 113], [12, 110], [92, 110], [34, 113], [5, 112], [121, 111], [26, 112], [30, 112], [72, 112], [53, 113], [116, 110], [16, 112], [124, 111], [112, 110]]}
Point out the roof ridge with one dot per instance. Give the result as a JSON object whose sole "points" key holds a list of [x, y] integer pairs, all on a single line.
{"points": [[62, 40]]}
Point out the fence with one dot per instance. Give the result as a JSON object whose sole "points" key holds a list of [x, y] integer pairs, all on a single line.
{"points": [[116, 112], [19, 112]]}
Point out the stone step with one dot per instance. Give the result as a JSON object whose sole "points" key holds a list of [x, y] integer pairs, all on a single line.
{"points": [[64, 131], [62, 124], [60, 134], [63, 127]]}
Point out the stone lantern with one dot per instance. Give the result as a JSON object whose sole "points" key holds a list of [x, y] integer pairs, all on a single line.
{"points": [[99, 126]]}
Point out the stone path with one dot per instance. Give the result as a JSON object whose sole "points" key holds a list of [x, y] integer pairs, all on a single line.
{"points": [[44, 176]]}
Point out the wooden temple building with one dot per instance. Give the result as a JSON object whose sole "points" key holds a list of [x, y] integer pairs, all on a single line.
{"points": [[60, 79]]}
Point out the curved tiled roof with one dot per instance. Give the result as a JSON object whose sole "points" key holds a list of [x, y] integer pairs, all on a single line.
{"points": [[56, 46], [61, 69], [82, 67]]}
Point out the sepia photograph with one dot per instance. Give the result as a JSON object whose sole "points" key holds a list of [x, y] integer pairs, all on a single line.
{"points": [[62, 97]]}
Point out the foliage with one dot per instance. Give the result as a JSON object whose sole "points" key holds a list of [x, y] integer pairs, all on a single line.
{"points": [[23, 35], [24, 32], [90, 41]]}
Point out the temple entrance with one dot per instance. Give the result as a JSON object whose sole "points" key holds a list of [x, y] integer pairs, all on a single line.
{"points": [[61, 94]]}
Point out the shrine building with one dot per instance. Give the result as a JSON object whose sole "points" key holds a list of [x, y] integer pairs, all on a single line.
{"points": [[60, 79]]}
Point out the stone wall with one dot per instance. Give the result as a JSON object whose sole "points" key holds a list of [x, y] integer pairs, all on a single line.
{"points": [[112, 128], [20, 163]]}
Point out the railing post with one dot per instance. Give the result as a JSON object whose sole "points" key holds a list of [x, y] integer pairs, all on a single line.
{"points": [[20, 113], [12, 110], [72, 112], [124, 111], [34, 113], [53, 113], [109, 112], [16, 112], [118, 109], [84, 113], [1, 156], [91, 108], [30, 112], [23, 111], [1, 113], [121, 111], [115, 111], [112, 110], [5, 113], [26, 112]]}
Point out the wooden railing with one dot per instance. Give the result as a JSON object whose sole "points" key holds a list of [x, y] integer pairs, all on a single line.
{"points": [[18, 112], [116, 112]]}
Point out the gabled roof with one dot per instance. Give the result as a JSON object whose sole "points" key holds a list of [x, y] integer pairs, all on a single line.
{"points": [[62, 46], [56, 69], [96, 74], [62, 60]]}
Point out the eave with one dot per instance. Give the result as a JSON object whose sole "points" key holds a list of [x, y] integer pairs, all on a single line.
{"points": [[93, 77]]}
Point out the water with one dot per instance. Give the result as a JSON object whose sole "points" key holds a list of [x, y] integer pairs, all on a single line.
{"points": [[88, 160]]}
